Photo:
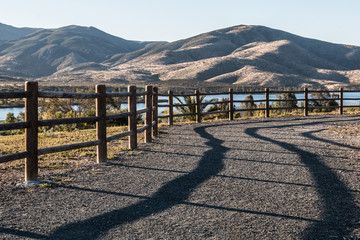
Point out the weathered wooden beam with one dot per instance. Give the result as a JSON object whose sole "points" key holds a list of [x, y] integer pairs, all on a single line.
{"points": [[14, 156], [231, 105], [141, 94], [341, 101], [101, 124], [118, 115], [68, 147], [149, 112], [197, 107], [117, 136], [117, 94], [53, 122], [306, 102], [267, 103], [142, 129], [184, 114], [31, 133], [45, 94], [155, 113], [132, 125], [13, 126], [4, 95], [141, 111], [215, 112], [171, 108]]}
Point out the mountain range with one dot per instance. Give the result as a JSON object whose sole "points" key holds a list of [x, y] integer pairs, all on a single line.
{"points": [[243, 55]]}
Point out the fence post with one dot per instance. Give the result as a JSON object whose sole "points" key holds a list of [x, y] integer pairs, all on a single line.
{"points": [[101, 149], [198, 109], [132, 125], [148, 116], [267, 103], [171, 109], [341, 101], [231, 105], [306, 102], [31, 133], [155, 113]]}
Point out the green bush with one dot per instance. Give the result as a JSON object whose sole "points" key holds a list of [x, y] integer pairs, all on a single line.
{"points": [[249, 105]]}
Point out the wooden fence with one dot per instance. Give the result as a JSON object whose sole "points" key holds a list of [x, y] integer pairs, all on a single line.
{"points": [[150, 128], [231, 110], [31, 123]]}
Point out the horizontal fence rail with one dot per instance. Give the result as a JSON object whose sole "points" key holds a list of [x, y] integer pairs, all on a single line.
{"points": [[68, 95], [4, 95], [53, 122], [68, 147], [32, 122], [195, 101], [193, 106]]}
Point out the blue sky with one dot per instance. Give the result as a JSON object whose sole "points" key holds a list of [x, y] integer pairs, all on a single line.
{"points": [[169, 20]]}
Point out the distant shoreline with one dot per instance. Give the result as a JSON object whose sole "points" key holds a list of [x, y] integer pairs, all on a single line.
{"points": [[20, 105]]}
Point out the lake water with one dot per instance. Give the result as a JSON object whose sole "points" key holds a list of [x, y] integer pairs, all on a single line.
{"points": [[16, 111], [4, 111]]}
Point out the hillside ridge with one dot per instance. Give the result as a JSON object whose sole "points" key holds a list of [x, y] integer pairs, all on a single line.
{"points": [[248, 55]]}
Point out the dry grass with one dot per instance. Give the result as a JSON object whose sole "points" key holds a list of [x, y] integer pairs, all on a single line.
{"points": [[344, 131], [15, 143], [63, 162], [58, 164]]}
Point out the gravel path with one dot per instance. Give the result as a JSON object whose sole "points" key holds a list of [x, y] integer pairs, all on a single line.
{"points": [[284, 178]]}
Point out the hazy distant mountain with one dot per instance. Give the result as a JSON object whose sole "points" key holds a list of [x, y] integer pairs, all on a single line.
{"points": [[246, 55], [8, 32], [49, 51]]}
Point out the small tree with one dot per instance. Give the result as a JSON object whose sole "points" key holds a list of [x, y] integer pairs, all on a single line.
{"points": [[10, 118], [224, 106], [53, 105], [291, 102], [192, 108], [323, 99], [249, 105], [20, 117], [260, 113]]}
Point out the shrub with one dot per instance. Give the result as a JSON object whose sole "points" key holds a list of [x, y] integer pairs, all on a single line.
{"points": [[192, 108], [323, 99], [249, 105]]}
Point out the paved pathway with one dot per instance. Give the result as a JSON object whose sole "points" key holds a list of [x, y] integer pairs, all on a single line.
{"points": [[256, 179]]}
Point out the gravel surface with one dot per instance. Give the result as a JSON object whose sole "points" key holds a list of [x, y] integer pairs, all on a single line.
{"points": [[282, 178]]}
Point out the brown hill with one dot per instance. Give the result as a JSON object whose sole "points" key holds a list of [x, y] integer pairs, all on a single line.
{"points": [[245, 55], [250, 56], [48, 51]]}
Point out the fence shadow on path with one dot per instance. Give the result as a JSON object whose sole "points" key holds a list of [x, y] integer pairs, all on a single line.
{"points": [[172, 193], [21, 233], [332, 191], [339, 213]]}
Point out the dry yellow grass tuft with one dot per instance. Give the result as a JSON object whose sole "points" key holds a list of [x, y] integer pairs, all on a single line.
{"points": [[57, 164]]}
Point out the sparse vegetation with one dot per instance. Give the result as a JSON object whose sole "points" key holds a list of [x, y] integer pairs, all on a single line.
{"points": [[223, 106], [190, 100], [323, 99], [249, 105], [290, 102], [10, 118], [75, 133], [62, 160], [11, 103]]}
